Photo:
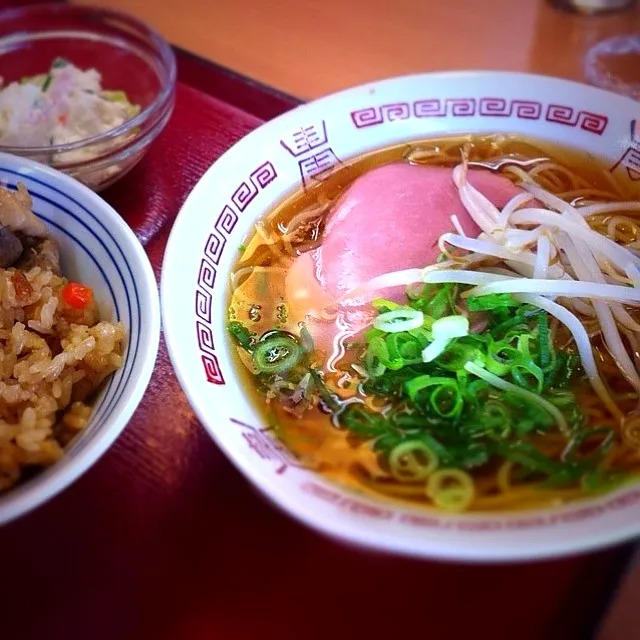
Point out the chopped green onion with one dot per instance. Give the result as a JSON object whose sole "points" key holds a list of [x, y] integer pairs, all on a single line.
{"points": [[306, 340], [412, 461], [436, 300], [528, 456], [496, 420], [404, 348], [528, 375], [381, 305], [499, 383], [402, 319], [422, 334], [455, 356], [114, 96], [242, 335], [451, 489], [418, 384], [276, 354], [602, 480], [364, 423], [544, 340], [492, 301], [377, 356], [501, 357], [450, 327], [447, 401], [476, 398], [523, 345]]}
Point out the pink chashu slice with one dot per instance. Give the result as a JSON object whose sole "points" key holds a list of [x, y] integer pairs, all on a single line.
{"points": [[389, 219]]}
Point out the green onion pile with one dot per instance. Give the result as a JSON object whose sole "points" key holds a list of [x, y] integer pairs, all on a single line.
{"points": [[457, 399], [458, 384]]}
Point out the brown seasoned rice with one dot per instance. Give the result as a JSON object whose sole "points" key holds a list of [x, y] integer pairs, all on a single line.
{"points": [[53, 357]]}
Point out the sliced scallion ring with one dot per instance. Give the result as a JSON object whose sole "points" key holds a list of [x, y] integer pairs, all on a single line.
{"points": [[451, 489], [412, 461], [276, 354], [403, 319]]}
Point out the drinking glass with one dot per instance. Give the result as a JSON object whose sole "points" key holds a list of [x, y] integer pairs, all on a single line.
{"points": [[614, 64]]}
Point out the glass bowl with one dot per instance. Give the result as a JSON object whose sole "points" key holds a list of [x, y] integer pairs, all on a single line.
{"points": [[129, 55], [614, 65]]}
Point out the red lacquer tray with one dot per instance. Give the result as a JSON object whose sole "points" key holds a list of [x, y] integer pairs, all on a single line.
{"points": [[163, 539]]}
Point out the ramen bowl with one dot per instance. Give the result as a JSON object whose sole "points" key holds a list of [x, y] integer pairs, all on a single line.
{"points": [[301, 148], [97, 248]]}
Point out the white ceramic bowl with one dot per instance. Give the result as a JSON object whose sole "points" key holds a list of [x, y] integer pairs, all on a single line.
{"points": [[274, 161], [99, 249]]}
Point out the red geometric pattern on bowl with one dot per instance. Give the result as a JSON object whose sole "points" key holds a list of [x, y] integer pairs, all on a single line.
{"points": [[430, 520], [226, 221], [267, 447], [484, 107], [630, 158], [630, 162], [301, 142]]}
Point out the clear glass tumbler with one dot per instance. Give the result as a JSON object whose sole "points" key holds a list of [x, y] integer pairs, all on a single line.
{"points": [[592, 7], [614, 64]]}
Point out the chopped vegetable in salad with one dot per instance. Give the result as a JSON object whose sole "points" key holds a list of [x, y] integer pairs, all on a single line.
{"points": [[64, 105]]}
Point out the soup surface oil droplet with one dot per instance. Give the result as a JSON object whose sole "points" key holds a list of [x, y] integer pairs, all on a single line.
{"points": [[282, 313], [254, 313]]}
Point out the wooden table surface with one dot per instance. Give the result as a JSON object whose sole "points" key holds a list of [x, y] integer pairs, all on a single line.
{"points": [[312, 47]]}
